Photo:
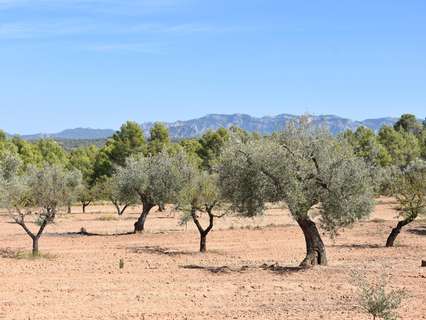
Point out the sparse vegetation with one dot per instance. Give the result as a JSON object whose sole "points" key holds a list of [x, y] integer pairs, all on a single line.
{"points": [[376, 300], [325, 182]]}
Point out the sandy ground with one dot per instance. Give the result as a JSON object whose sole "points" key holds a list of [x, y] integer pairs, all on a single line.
{"points": [[164, 277]]}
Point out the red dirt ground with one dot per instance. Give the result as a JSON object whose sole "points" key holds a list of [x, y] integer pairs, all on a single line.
{"points": [[164, 277]]}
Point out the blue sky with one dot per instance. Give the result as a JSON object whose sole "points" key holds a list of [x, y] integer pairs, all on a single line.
{"points": [[98, 63]]}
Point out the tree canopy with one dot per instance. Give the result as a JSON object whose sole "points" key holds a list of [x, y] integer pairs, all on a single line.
{"points": [[305, 167]]}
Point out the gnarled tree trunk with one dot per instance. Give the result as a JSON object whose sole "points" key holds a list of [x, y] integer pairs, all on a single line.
{"points": [[315, 249], [395, 231], [140, 224]]}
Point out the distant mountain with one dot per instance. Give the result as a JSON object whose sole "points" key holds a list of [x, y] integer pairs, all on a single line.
{"points": [[263, 125], [196, 127], [74, 134]]}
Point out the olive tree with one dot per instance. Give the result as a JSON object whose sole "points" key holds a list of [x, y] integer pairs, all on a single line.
{"points": [[39, 192], [308, 169], [85, 195], [152, 179], [201, 195], [108, 188], [409, 188]]}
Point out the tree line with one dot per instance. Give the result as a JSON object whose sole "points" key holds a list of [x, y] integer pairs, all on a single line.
{"points": [[304, 168]]}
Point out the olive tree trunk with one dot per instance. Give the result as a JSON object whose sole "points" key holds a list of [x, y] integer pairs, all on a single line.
{"points": [[120, 210], [84, 205], [161, 207], [35, 237], [315, 249], [35, 251], [203, 242], [140, 224], [203, 232], [395, 231]]}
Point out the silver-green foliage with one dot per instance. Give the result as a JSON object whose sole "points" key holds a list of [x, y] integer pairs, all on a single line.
{"points": [[376, 300], [153, 179], [108, 188], [409, 188], [200, 193], [38, 192], [303, 166]]}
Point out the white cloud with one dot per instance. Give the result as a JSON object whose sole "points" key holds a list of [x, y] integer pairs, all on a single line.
{"points": [[35, 30], [42, 30], [150, 48], [111, 6]]}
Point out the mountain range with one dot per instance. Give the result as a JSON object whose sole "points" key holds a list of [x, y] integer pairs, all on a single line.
{"points": [[196, 127]]}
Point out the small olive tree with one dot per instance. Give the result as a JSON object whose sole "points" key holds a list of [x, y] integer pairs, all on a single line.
{"points": [[108, 188], [39, 192], [376, 300], [85, 195], [201, 195], [409, 188], [152, 179], [307, 168]]}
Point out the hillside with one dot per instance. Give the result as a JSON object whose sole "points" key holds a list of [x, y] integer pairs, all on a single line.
{"points": [[196, 127]]}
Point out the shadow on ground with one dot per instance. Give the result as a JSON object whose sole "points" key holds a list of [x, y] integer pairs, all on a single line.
{"points": [[160, 250], [420, 231], [359, 246], [84, 233], [226, 269]]}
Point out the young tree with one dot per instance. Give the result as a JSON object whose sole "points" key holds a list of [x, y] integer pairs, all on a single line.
{"points": [[306, 168], [376, 300], [201, 195], [108, 188], [409, 188], [83, 160], [39, 193], [85, 195], [152, 179]]}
